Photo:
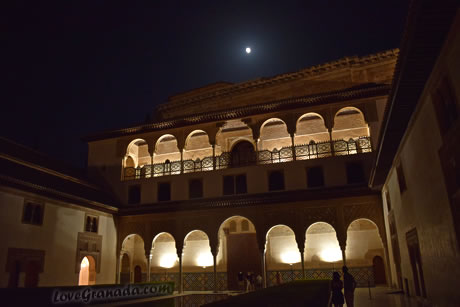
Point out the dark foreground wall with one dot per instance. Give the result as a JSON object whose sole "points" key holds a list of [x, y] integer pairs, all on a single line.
{"points": [[83, 295], [312, 293]]}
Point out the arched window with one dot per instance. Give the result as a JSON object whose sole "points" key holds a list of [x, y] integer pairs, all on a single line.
{"points": [[244, 225], [232, 226], [32, 213], [94, 225], [28, 211], [88, 224]]}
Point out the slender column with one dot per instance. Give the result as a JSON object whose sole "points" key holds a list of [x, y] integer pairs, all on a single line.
{"points": [[180, 288], [215, 272], [148, 266], [344, 259], [131, 273], [182, 161], [332, 143], [213, 156], [257, 150], [264, 271], [293, 147], [119, 268], [302, 254]]}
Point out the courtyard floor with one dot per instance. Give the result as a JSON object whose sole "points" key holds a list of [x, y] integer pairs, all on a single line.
{"points": [[382, 298]]}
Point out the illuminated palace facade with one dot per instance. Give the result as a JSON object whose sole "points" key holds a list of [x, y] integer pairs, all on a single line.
{"points": [[351, 162], [268, 176]]}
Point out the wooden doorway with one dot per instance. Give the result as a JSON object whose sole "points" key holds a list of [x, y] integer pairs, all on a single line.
{"points": [[125, 271], [416, 262], [137, 274], [243, 154], [243, 256], [379, 270]]}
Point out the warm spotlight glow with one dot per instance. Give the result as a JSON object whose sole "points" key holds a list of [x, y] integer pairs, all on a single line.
{"points": [[204, 260], [331, 254], [168, 260], [290, 257], [84, 263]]}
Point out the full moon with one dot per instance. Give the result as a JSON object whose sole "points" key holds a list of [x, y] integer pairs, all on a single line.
{"points": [[248, 50]]}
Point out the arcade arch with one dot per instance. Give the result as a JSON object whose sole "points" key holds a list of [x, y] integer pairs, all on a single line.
{"points": [[166, 149], [311, 127], [349, 123], [238, 250], [197, 146], [322, 249], [133, 246], [282, 255], [274, 135], [363, 243], [136, 157], [164, 264], [197, 256]]}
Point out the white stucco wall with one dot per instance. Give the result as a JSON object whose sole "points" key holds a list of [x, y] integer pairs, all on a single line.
{"points": [[425, 204], [57, 236]]}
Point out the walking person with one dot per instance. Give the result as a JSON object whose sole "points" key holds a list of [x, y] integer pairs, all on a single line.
{"points": [[248, 281], [278, 278], [259, 282], [251, 281], [240, 281], [349, 286], [336, 288]]}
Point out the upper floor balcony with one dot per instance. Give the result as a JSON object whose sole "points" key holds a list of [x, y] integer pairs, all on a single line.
{"points": [[244, 155], [237, 143]]}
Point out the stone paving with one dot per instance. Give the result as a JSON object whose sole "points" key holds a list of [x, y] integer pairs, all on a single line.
{"points": [[381, 297]]}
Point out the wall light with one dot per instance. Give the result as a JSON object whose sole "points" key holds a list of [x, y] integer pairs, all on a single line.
{"points": [[204, 260], [290, 257], [331, 254], [168, 260]]}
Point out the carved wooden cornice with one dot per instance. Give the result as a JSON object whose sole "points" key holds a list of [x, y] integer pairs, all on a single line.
{"points": [[358, 92]]}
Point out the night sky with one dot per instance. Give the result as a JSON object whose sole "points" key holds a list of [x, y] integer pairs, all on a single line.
{"points": [[72, 68]]}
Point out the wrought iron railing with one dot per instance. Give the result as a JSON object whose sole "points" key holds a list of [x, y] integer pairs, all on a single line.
{"points": [[228, 160]]}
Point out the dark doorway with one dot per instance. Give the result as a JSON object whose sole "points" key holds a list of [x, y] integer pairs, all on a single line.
{"points": [[243, 154], [416, 262], [379, 270], [13, 282], [125, 270], [242, 256], [396, 250], [137, 274], [32, 271]]}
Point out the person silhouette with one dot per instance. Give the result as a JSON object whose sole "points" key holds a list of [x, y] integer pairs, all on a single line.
{"points": [[336, 288], [349, 286]]}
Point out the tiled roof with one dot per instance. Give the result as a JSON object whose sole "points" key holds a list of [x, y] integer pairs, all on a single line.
{"points": [[28, 170], [346, 62], [360, 91]]}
